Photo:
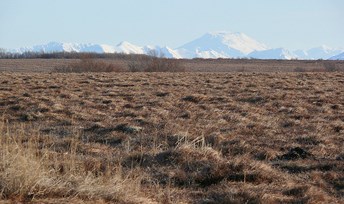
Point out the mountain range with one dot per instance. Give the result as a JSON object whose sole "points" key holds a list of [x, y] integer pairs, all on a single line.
{"points": [[338, 57], [210, 45]]}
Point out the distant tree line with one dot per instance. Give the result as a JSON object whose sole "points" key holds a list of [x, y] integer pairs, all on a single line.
{"points": [[65, 55], [154, 61]]}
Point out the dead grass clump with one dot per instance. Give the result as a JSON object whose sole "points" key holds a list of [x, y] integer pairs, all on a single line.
{"points": [[287, 123], [213, 140], [28, 173], [264, 154], [234, 147], [295, 167], [338, 128], [28, 116], [162, 94], [169, 157], [126, 128], [253, 100], [193, 98], [138, 159], [225, 194], [112, 139], [308, 140], [298, 191], [295, 153], [123, 128]]}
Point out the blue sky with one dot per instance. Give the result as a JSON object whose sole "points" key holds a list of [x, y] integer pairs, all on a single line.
{"points": [[291, 24]]}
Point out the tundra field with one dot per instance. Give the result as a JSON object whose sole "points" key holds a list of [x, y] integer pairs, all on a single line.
{"points": [[194, 65], [190, 137]]}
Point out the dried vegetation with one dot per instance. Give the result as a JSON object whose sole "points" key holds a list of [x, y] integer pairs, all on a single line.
{"points": [[139, 63], [172, 137]]}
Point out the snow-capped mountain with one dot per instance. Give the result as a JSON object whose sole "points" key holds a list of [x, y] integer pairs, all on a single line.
{"points": [[220, 44], [123, 47], [278, 53], [169, 52], [322, 52], [301, 54], [67, 47], [128, 48], [210, 45], [338, 57]]}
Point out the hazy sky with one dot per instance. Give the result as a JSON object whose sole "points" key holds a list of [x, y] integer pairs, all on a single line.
{"points": [[291, 24]]}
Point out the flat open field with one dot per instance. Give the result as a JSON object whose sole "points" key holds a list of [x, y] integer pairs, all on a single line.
{"points": [[172, 137], [195, 65]]}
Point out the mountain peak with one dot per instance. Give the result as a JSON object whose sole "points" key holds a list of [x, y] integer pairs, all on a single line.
{"points": [[54, 43], [325, 47], [222, 44], [124, 43], [128, 48], [224, 33]]}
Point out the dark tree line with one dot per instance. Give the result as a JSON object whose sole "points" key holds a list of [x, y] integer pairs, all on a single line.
{"points": [[65, 55]]}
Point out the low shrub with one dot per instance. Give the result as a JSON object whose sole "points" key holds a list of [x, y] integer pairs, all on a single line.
{"points": [[329, 66], [89, 65], [154, 62]]}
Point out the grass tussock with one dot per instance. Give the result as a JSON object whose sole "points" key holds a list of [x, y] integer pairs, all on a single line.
{"points": [[30, 172]]}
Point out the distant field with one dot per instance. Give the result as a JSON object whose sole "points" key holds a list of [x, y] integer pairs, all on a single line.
{"points": [[172, 137], [199, 65]]}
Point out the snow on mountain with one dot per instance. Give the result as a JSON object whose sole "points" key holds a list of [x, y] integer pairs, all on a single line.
{"points": [[210, 54], [207, 54], [220, 44], [67, 47], [278, 53], [128, 48], [108, 48], [123, 47], [301, 54], [169, 52], [210, 45], [338, 57], [322, 52]]}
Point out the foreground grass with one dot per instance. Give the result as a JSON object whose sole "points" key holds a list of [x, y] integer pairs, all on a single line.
{"points": [[172, 138], [30, 171]]}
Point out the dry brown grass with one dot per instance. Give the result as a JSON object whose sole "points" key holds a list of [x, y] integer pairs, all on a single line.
{"points": [[172, 137], [139, 63], [30, 171]]}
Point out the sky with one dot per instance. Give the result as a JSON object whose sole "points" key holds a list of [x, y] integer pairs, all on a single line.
{"points": [[292, 24]]}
